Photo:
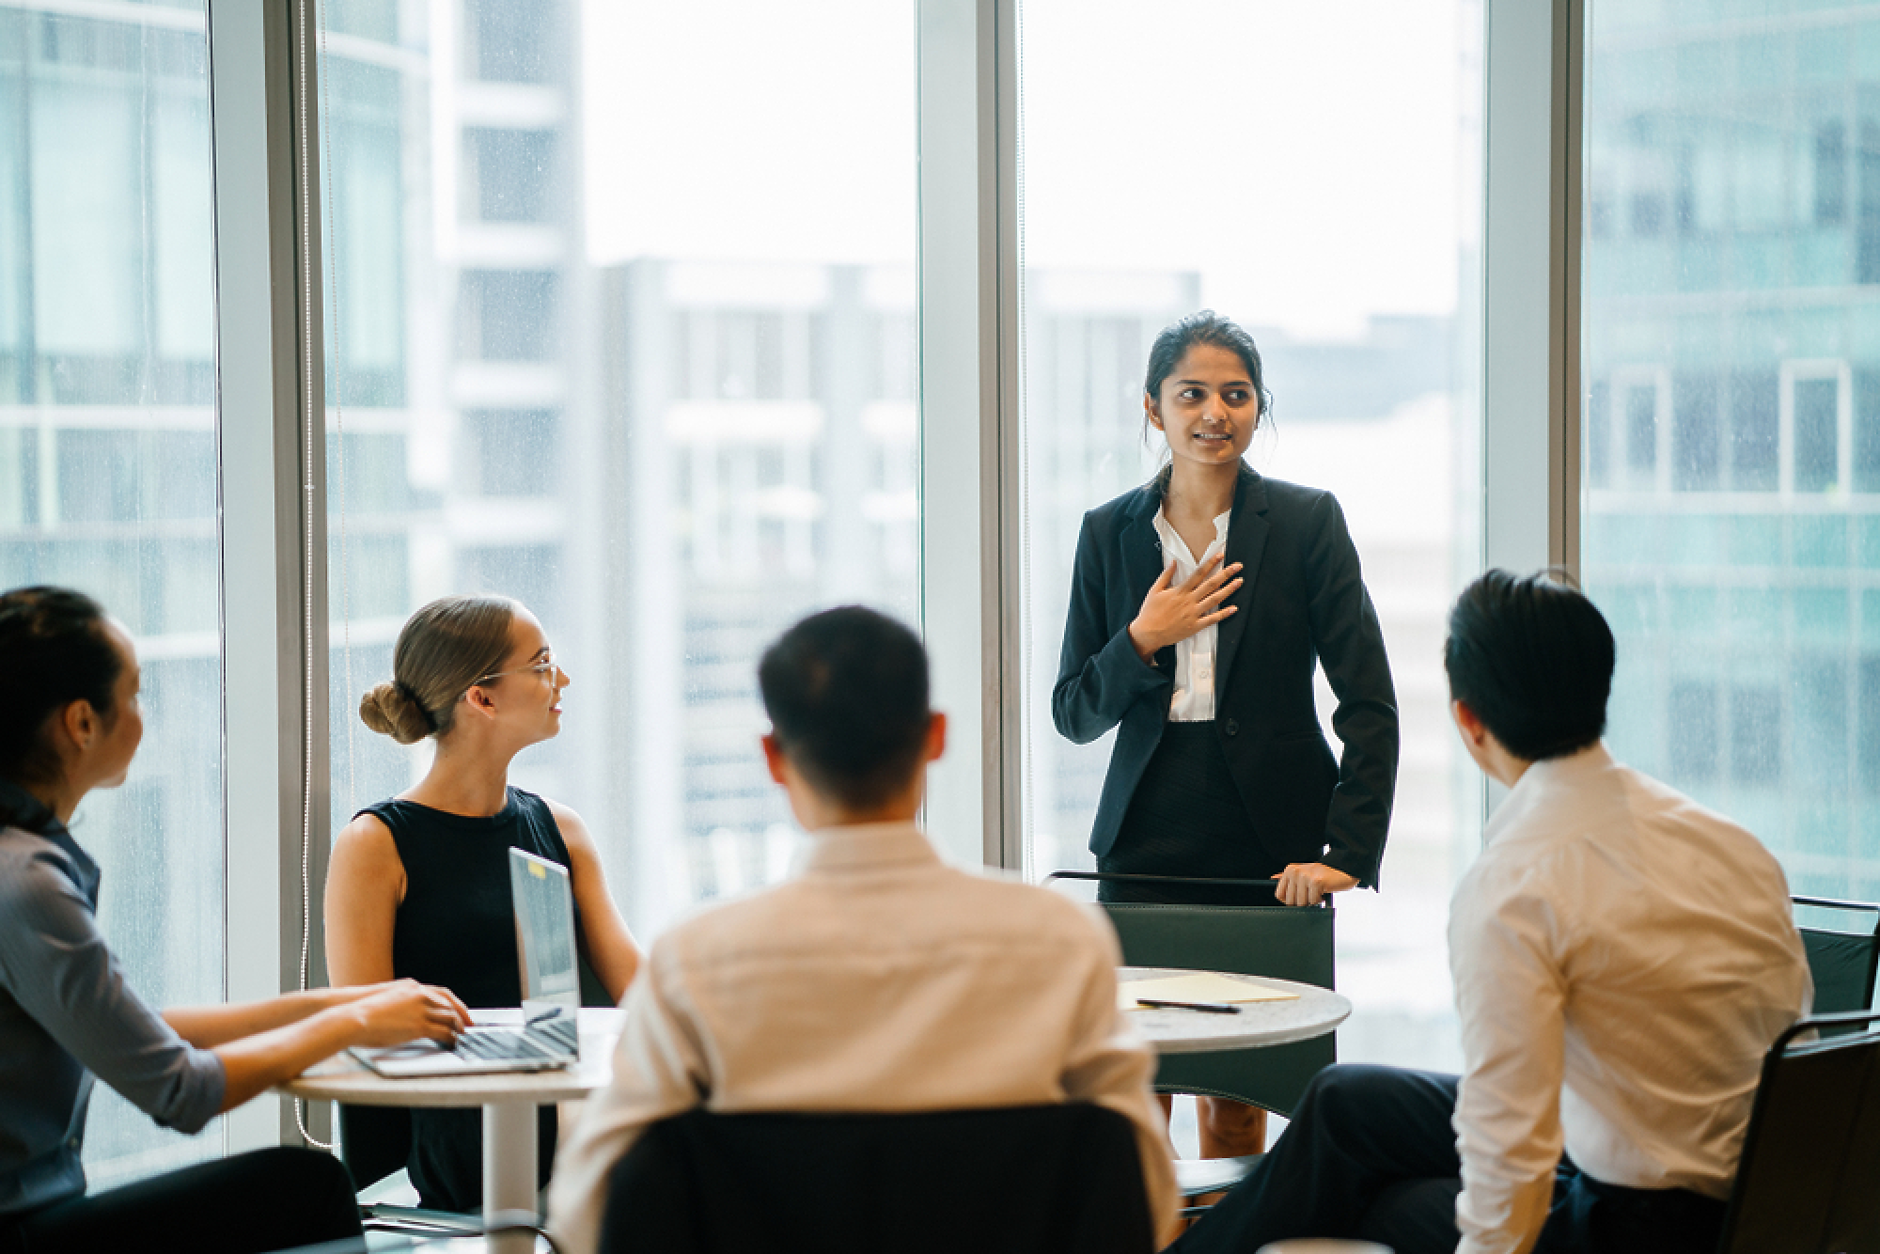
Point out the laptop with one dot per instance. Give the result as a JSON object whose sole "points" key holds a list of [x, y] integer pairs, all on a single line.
{"points": [[548, 1035]]}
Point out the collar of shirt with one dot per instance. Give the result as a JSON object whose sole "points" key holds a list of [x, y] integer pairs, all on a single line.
{"points": [[1542, 778], [867, 847], [1174, 546], [32, 815]]}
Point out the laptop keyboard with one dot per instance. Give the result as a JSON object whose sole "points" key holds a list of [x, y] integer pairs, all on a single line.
{"points": [[502, 1045]]}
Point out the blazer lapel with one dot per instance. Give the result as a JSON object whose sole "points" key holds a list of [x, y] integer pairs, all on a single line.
{"points": [[1246, 541], [1142, 548]]}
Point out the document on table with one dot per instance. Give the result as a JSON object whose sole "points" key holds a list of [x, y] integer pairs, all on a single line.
{"points": [[1196, 986]]}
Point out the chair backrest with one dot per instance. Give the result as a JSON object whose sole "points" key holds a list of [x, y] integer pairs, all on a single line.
{"points": [[1809, 1178], [1843, 961], [1284, 942], [1032, 1178]]}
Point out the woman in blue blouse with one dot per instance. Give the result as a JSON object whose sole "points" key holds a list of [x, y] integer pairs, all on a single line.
{"points": [[69, 723]]}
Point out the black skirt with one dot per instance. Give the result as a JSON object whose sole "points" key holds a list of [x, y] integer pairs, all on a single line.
{"points": [[1187, 818]]}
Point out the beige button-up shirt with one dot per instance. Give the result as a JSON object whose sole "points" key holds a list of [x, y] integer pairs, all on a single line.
{"points": [[1623, 958], [877, 979]]}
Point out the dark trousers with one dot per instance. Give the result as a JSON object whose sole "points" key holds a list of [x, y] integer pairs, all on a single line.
{"points": [[1371, 1155], [271, 1199]]}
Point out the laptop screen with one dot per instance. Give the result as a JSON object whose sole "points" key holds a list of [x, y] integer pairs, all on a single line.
{"points": [[544, 930]]}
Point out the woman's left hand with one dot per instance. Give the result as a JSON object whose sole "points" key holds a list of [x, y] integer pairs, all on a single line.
{"points": [[1306, 883]]}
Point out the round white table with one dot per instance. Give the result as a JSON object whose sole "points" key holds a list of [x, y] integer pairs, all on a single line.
{"points": [[1314, 1012], [508, 1099]]}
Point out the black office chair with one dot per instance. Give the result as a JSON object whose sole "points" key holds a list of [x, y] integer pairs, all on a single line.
{"points": [[1282, 942], [1842, 960], [1809, 1178], [1038, 1179]]}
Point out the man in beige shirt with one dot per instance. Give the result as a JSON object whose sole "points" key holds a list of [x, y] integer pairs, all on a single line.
{"points": [[877, 978]]}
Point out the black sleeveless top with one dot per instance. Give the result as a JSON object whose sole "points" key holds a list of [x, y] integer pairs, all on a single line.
{"points": [[456, 926]]}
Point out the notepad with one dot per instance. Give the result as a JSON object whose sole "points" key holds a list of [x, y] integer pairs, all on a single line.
{"points": [[1197, 986]]}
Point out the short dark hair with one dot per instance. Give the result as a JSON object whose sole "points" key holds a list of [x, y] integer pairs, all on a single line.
{"points": [[1532, 657], [1205, 327], [846, 692], [53, 651]]}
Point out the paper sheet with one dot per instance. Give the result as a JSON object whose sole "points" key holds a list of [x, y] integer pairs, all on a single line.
{"points": [[1199, 986]]}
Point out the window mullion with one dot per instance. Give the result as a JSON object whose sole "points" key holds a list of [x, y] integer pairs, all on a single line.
{"points": [[270, 469]]}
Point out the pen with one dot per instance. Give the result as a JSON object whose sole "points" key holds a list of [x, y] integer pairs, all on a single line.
{"points": [[1212, 1007]]}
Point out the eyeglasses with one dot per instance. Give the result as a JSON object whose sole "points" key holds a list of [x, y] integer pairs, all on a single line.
{"points": [[545, 667]]}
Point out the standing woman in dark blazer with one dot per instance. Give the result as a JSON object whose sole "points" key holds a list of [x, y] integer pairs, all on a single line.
{"points": [[1200, 604]]}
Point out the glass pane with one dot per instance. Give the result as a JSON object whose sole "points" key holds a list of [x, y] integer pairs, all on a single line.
{"points": [[648, 369], [107, 463], [1341, 238], [1740, 586]]}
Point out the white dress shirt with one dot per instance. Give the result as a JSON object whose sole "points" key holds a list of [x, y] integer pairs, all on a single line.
{"points": [[1194, 657], [1623, 958], [878, 979]]}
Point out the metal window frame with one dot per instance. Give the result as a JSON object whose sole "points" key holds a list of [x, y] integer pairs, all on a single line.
{"points": [[971, 541], [1532, 392], [270, 477], [1534, 64]]}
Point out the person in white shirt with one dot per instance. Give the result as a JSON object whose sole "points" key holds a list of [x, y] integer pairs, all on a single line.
{"points": [[1622, 957], [877, 978]]}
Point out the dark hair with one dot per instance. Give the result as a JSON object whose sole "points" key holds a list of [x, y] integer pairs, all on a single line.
{"points": [[53, 651], [1205, 327], [1532, 657], [442, 650], [846, 692]]}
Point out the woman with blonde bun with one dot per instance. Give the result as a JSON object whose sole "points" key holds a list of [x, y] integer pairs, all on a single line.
{"points": [[420, 882]]}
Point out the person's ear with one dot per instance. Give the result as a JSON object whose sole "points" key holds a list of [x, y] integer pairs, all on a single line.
{"points": [[774, 761], [936, 736], [1150, 411], [478, 699], [1468, 723], [79, 722]]}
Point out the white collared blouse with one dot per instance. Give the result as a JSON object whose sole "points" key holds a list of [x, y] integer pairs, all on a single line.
{"points": [[1193, 701]]}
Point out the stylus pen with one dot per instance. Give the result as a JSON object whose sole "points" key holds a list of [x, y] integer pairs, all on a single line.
{"points": [[1212, 1007]]}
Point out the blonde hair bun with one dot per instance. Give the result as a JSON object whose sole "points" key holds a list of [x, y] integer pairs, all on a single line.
{"points": [[391, 711]]}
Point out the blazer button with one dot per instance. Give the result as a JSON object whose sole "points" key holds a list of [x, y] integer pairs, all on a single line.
{"points": [[1232, 728]]}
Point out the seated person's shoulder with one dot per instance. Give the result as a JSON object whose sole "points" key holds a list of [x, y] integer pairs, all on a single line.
{"points": [[31, 864], [39, 889], [1000, 897]]}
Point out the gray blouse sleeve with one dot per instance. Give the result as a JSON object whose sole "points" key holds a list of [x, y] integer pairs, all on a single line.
{"points": [[56, 965]]}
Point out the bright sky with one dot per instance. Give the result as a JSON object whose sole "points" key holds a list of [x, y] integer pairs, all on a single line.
{"points": [[1301, 156]]}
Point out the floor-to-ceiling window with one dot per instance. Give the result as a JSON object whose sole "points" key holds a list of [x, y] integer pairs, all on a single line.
{"points": [[621, 323], [1310, 171], [108, 461], [1731, 481]]}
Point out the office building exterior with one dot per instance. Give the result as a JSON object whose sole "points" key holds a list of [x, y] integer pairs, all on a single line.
{"points": [[1732, 415]]}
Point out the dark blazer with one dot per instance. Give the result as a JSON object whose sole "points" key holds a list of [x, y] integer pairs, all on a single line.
{"points": [[1302, 601]]}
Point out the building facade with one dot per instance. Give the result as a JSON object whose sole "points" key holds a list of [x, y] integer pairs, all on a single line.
{"points": [[1732, 414]]}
